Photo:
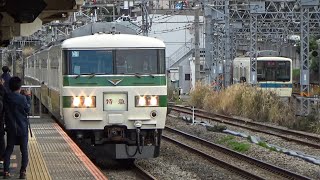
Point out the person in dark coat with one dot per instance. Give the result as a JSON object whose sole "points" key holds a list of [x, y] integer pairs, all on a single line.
{"points": [[17, 107], [6, 77], [2, 142]]}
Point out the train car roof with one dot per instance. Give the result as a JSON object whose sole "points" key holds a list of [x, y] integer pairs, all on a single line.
{"points": [[112, 41], [263, 58], [274, 58]]}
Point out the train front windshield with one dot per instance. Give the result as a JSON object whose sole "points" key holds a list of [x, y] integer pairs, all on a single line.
{"points": [[127, 61], [279, 71]]}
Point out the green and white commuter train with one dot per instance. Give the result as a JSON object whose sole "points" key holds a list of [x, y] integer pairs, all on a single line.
{"points": [[109, 90]]}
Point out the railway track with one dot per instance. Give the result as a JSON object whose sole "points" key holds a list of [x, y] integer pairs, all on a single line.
{"points": [[142, 173], [290, 135], [243, 165]]}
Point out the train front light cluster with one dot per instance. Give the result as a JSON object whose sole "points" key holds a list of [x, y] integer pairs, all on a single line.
{"points": [[83, 102], [147, 101]]}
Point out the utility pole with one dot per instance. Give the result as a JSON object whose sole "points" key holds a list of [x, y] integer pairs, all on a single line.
{"points": [[13, 61], [143, 21], [146, 19], [318, 57], [144, 15], [113, 12], [118, 7], [208, 41], [228, 60], [197, 44]]}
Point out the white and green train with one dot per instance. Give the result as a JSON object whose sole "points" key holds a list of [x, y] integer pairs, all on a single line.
{"points": [[109, 90]]}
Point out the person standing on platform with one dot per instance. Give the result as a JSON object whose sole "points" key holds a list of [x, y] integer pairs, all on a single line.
{"points": [[17, 107], [6, 77], [2, 142]]}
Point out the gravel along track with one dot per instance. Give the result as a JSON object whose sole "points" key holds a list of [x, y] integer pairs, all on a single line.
{"points": [[247, 164], [172, 164], [176, 163], [307, 139], [143, 173], [115, 170], [279, 159], [124, 170], [276, 140]]}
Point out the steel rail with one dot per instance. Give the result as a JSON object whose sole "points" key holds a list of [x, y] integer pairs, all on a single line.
{"points": [[214, 160], [304, 138], [263, 165], [143, 173]]}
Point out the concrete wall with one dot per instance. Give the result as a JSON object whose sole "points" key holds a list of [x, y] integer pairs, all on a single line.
{"points": [[184, 68]]}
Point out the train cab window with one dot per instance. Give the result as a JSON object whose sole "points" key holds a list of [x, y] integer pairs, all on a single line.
{"points": [[274, 71], [89, 62], [141, 61]]}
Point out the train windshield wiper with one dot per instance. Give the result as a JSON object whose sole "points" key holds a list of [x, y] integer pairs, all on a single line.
{"points": [[150, 75], [92, 75], [136, 74], [78, 75]]}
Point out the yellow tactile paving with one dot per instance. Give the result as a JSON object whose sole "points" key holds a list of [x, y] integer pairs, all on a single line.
{"points": [[37, 169]]}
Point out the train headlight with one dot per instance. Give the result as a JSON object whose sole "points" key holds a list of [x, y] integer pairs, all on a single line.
{"points": [[80, 102], [154, 101], [88, 101], [76, 101], [144, 101]]}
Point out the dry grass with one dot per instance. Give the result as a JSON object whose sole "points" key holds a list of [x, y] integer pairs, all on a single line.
{"points": [[315, 126], [245, 101], [311, 123], [198, 94]]}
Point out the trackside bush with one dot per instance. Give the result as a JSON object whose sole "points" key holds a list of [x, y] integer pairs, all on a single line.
{"points": [[198, 94], [246, 101]]}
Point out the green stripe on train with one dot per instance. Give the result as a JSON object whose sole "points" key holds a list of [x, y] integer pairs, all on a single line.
{"points": [[163, 101], [67, 101], [123, 81]]}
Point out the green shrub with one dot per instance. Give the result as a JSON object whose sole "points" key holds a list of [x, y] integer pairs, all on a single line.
{"points": [[234, 145], [237, 146]]}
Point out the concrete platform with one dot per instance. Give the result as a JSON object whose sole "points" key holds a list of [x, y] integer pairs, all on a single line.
{"points": [[53, 155]]}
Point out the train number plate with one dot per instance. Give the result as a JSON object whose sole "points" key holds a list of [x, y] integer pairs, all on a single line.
{"points": [[115, 102]]}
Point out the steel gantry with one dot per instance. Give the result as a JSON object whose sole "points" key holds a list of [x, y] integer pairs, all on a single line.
{"points": [[214, 18], [253, 48], [304, 60], [305, 16], [219, 33], [249, 22]]}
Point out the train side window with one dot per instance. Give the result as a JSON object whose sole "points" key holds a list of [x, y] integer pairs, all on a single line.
{"points": [[235, 71], [162, 61], [245, 72], [65, 62]]}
